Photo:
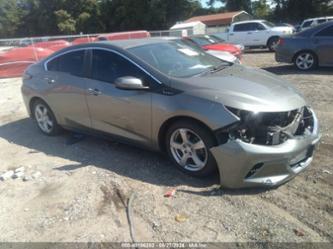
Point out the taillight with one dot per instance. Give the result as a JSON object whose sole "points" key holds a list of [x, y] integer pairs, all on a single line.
{"points": [[27, 76], [281, 41]]}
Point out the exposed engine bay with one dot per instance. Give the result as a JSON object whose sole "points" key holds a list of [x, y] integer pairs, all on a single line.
{"points": [[270, 128]]}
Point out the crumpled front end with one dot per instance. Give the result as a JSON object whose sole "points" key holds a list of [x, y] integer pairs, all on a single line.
{"points": [[266, 149]]}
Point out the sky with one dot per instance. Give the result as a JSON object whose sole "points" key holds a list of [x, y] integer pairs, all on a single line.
{"points": [[204, 4], [219, 4]]}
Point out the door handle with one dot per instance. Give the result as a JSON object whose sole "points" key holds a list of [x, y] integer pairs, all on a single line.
{"points": [[231, 34], [50, 80], [249, 33], [94, 92]]}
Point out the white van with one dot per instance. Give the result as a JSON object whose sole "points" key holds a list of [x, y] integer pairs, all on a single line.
{"points": [[308, 23]]}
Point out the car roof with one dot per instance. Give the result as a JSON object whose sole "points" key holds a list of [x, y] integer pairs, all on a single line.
{"points": [[317, 18], [203, 35], [131, 43], [255, 20], [167, 38]]}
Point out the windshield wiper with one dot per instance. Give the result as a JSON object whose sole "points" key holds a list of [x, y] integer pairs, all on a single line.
{"points": [[214, 69], [217, 68]]}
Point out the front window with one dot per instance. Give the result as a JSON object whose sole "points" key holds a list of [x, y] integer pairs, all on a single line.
{"points": [[259, 27], [307, 24], [176, 59], [108, 66]]}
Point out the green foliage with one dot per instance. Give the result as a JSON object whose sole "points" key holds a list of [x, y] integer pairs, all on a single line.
{"points": [[19, 18], [260, 9], [10, 17], [65, 22], [234, 5], [297, 10]]}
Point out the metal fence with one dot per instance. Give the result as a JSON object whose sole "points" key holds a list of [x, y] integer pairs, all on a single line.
{"points": [[17, 54]]}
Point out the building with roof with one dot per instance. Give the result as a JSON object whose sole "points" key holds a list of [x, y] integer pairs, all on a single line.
{"points": [[188, 28], [222, 20]]}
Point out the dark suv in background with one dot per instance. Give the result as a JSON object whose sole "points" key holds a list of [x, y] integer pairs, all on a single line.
{"points": [[308, 49]]}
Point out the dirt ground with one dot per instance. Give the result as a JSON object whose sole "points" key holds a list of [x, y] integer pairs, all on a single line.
{"points": [[83, 188]]}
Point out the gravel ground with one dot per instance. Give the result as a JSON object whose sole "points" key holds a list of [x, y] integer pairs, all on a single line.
{"points": [[79, 192]]}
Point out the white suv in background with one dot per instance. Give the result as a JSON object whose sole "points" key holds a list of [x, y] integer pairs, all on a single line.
{"points": [[256, 33], [308, 23]]}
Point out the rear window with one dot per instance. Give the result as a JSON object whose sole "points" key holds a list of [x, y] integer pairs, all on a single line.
{"points": [[321, 21], [243, 27], [71, 63]]}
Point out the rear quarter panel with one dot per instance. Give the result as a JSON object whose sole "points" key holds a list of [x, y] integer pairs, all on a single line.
{"points": [[291, 46]]}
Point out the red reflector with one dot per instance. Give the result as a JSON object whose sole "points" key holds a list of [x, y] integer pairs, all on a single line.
{"points": [[281, 42]]}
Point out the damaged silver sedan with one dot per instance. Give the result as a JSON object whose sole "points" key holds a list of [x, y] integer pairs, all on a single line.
{"points": [[208, 115]]}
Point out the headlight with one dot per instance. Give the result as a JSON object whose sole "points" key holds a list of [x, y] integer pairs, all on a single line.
{"points": [[267, 128]]}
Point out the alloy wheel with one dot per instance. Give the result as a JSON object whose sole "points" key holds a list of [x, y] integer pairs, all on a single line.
{"points": [[305, 61], [188, 149], [43, 118]]}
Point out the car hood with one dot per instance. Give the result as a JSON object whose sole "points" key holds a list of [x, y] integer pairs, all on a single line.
{"points": [[285, 30], [245, 88], [223, 55]]}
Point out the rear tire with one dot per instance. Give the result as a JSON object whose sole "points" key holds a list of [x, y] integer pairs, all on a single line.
{"points": [[188, 145], [45, 119], [306, 61]]}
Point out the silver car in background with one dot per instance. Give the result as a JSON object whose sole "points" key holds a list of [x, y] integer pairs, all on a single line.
{"points": [[308, 49], [208, 115]]}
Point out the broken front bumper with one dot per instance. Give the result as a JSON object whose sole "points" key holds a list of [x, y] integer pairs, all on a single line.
{"points": [[243, 164]]}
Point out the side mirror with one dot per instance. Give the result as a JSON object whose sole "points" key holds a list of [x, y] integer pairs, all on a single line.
{"points": [[130, 83]]}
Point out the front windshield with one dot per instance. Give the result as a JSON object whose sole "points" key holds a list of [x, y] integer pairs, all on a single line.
{"points": [[177, 59], [269, 24]]}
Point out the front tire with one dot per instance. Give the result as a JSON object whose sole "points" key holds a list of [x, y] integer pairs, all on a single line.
{"points": [[45, 119], [188, 145], [306, 61]]}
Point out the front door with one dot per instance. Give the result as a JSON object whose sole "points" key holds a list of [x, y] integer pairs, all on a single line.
{"points": [[259, 35], [124, 113]]}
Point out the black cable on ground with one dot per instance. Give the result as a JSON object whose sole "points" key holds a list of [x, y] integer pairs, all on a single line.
{"points": [[130, 216]]}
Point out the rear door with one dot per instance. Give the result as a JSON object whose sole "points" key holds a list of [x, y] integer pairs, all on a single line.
{"points": [[242, 33], [323, 41], [66, 93], [124, 113]]}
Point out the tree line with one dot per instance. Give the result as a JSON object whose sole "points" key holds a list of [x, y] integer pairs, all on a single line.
{"points": [[22, 18]]}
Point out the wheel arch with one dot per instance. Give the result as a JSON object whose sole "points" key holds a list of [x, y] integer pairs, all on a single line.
{"points": [[32, 102], [305, 50], [166, 125], [272, 37], [31, 105]]}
